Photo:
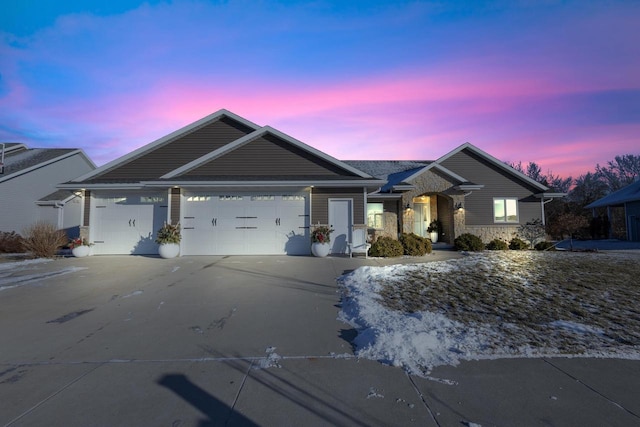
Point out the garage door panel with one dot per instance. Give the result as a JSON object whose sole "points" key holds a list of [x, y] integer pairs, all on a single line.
{"points": [[247, 223], [126, 223]]}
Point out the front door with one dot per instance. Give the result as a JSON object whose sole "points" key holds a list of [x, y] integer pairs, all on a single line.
{"points": [[341, 221]]}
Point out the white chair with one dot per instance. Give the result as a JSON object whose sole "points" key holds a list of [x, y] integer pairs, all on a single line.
{"points": [[358, 243]]}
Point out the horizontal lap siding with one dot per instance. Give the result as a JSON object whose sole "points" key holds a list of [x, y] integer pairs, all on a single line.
{"points": [[180, 151], [320, 203], [268, 156], [497, 183], [175, 205]]}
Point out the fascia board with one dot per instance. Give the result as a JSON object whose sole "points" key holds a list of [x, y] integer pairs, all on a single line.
{"points": [[47, 163], [472, 187], [173, 135], [375, 195], [310, 183], [495, 161], [81, 186], [549, 195]]}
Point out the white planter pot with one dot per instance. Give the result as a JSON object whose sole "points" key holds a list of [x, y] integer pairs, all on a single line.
{"points": [[433, 236], [169, 250], [80, 251], [320, 249]]}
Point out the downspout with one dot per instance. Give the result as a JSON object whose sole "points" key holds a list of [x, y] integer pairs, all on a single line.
{"points": [[542, 203]]}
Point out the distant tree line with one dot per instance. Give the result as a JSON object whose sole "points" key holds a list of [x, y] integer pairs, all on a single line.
{"points": [[568, 214]]}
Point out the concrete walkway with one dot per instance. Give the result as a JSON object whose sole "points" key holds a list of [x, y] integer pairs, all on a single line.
{"points": [[246, 341]]}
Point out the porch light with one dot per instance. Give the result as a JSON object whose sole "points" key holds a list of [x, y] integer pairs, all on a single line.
{"points": [[459, 206], [408, 206]]}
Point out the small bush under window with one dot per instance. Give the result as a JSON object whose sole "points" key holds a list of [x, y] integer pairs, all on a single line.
{"points": [[468, 242], [518, 244], [497, 245]]}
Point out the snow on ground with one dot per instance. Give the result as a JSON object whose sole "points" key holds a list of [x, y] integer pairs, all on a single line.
{"points": [[19, 273], [493, 305]]}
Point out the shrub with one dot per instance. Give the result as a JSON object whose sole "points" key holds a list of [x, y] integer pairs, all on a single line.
{"points": [[518, 244], [532, 231], [415, 245], [11, 243], [43, 240], [545, 246], [497, 245], [468, 242], [386, 247]]}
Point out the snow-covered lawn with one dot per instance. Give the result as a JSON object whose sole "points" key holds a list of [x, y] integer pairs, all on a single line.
{"points": [[493, 305]]}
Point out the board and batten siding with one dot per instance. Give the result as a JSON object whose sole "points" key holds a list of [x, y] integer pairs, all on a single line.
{"points": [[497, 183], [178, 152], [268, 156], [175, 206], [86, 221], [320, 203]]}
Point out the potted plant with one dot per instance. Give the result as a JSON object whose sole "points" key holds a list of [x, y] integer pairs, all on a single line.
{"points": [[434, 229], [169, 240], [79, 247], [320, 238]]}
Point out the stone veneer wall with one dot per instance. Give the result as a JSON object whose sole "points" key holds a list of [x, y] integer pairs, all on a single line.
{"points": [[487, 232]]}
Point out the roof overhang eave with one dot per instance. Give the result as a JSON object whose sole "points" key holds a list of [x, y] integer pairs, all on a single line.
{"points": [[549, 195]]}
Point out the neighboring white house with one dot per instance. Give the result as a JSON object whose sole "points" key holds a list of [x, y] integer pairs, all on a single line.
{"points": [[28, 193]]}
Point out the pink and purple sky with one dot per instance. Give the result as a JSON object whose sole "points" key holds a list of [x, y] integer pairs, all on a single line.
{"points": [[554, 82]]}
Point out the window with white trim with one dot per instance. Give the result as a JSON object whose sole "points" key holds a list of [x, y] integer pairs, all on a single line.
{"points": [[505, 209], [375, 218]]}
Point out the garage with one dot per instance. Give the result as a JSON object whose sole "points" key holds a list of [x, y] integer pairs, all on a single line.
{"points": [[126, 222], [245, 223]]}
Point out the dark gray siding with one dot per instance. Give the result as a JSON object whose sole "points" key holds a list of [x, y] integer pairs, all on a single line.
{"points": [[320, 203], [267, 156], [178, 152], [175, 205], [87, 208], [497, 183]]}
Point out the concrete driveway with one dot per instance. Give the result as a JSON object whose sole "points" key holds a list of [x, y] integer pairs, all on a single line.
{"points": [[207, 341]]}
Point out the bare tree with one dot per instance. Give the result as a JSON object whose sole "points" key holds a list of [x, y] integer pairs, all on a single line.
{"points": [[620, 172]]}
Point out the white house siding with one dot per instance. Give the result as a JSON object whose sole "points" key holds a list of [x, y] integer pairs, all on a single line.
{"points": [[18, 195]]}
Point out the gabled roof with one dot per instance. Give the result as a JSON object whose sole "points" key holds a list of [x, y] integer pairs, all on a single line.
{"points": [[630, 193], [165, 140], [57, 197], [266, 130], [488, 157], [20, 159]]}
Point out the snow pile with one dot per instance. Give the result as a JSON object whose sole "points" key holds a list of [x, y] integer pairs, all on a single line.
{"points": [[492, 305], [417, 341]]}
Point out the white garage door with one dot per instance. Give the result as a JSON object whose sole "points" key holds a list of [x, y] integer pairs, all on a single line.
{"points": [[245, 223], [127, 222]]}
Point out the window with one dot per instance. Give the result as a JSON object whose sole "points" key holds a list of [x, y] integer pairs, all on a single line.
{"points": [[198, 198], [505, 209], [263, 197], [374, 215]]}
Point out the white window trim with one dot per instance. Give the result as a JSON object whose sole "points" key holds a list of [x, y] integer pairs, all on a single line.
{"points": [[506, 220]]}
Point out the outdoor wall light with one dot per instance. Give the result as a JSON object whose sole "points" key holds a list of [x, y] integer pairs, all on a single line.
{"points": [[408, 206], [459, 206]]}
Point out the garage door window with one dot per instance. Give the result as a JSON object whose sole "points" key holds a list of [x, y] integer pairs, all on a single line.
{"points": [[229, 198], [198, 198]]}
